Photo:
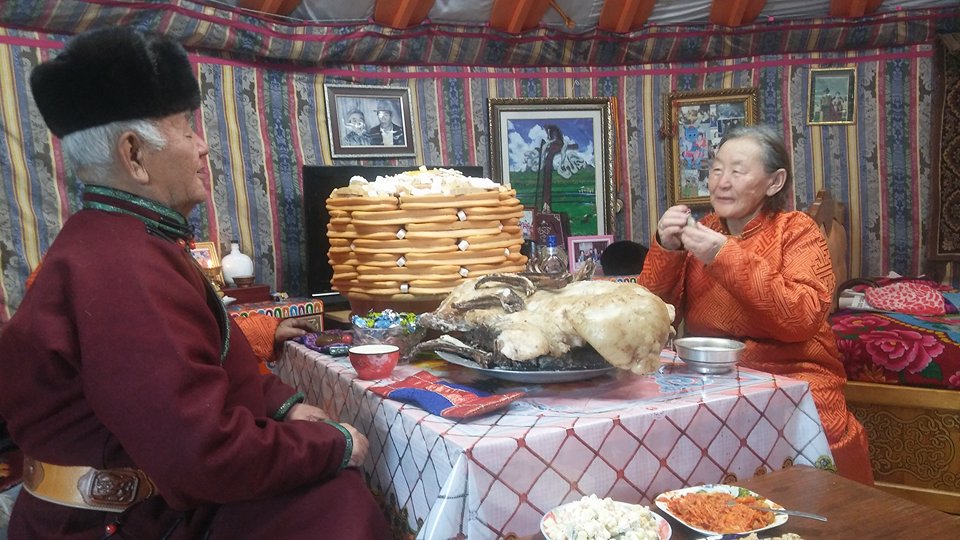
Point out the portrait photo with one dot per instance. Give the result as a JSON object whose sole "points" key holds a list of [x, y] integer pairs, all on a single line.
{"points": [[832, 96], [581, 249], [369, 121]]}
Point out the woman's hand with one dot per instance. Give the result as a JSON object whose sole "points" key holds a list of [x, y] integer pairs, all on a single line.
{"points": [[291, 328], [671, 225], [703, 242]]}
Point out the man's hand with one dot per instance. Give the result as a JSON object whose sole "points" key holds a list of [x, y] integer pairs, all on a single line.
{"points": [[303, 411], [360, 447], [291, 328]]}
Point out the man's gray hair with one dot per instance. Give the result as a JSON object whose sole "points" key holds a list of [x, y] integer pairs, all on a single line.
{"points": [[92, 151]]}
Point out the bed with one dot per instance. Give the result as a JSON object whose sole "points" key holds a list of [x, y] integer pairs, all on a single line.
{"points": [[903, 366]]}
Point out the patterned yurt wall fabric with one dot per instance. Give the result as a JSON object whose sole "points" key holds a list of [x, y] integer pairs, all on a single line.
{"points": [[248, 35], [264, 120], [944, 238]]}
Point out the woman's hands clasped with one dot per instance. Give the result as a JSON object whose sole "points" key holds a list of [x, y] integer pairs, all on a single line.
{"points": [[678, 230]]}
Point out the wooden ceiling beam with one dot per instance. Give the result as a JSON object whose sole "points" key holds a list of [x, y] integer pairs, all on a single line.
{"points": [[401, 13], [735, 12], [625, 15], [515, 16], [275, 7], [853, 8]]}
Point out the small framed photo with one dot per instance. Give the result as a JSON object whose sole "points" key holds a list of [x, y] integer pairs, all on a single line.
{"points": [[369, 121], [580, 249], [205, 253], [526, 224], [832, 96], [697, 122]]}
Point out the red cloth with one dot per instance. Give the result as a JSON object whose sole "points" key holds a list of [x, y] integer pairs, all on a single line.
{"points": [[114, 360], [444, 398], [771, 288]]}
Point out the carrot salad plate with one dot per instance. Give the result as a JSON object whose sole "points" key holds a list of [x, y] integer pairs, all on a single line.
{"points": [[718, 509]]}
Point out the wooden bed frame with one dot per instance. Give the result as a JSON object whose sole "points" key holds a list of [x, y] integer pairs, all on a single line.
{"points": [[914, 432]]}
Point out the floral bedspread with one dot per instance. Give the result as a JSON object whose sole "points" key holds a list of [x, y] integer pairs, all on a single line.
{"points": [[898, 348]]}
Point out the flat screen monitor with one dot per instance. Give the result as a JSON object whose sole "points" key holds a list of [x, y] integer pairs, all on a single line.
{"points": [[318, 182]]}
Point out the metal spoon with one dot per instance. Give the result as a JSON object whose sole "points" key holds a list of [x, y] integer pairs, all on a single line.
{"points": [[797, 513]]}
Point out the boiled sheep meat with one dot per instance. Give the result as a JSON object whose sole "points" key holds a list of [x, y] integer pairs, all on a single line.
{"points": [[509, 317]]}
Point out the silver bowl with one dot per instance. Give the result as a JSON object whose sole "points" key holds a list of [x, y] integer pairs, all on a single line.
{"points": [[708, 355]]}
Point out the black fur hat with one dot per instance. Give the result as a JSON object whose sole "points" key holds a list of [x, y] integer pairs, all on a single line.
{"points": [[110, 75]]}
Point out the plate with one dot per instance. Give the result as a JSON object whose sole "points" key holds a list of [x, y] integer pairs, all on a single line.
{"points": [[736, 491], [664, 531], [568, 375]]}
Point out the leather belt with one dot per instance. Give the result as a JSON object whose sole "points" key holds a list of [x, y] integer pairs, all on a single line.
{"points": [[106, 490]]}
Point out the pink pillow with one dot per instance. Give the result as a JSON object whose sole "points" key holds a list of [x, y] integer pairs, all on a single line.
{"points": [[915, 297]]}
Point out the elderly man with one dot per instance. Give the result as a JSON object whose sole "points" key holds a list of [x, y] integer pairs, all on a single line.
{"points": [[386, 133], [136, 400]]}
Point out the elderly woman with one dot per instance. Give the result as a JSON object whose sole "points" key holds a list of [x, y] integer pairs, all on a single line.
{"points": [[758, 274]]}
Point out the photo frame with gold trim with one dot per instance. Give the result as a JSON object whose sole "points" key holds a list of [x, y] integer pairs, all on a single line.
{"points": [[695, 123], [206, 254]]}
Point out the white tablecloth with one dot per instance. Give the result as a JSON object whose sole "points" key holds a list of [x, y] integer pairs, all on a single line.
{"points": [[624, 436]]}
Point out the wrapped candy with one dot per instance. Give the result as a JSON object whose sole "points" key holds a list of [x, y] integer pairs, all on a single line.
{"points": [[390, 327]]}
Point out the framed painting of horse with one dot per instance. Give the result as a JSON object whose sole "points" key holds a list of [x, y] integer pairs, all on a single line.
{"points": [[558, 153]]}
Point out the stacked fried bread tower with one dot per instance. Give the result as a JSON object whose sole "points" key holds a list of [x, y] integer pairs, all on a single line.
{"points": [[419, 234]]}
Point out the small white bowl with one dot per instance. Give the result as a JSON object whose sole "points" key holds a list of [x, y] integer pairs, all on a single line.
{"points": [[709, 355]]}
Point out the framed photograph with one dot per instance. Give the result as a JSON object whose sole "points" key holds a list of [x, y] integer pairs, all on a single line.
{"points": [[205, 253], [559, 154], [696, 122], [526, 224], [580, 249], [369, 121], [832, 96]]}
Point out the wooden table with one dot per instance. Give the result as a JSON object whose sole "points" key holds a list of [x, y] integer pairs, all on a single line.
{"points": [[853, 509]]}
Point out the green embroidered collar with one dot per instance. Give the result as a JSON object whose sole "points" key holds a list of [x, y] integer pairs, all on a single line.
{"points": [[159, 219]]}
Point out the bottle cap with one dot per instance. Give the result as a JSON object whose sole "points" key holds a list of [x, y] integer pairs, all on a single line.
{"points": [[552, 240]]}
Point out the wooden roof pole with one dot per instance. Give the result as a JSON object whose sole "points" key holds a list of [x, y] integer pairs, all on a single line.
{"points": [[735, 12], [275, 7], [625, 15], [401, 13], [517, 15], [853, 8]]}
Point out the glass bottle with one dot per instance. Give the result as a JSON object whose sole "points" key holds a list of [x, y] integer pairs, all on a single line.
{"points": [[553, 259], [236, 264]]}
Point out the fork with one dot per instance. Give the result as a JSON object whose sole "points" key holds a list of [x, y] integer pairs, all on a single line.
{"points": [[797, 513]]}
